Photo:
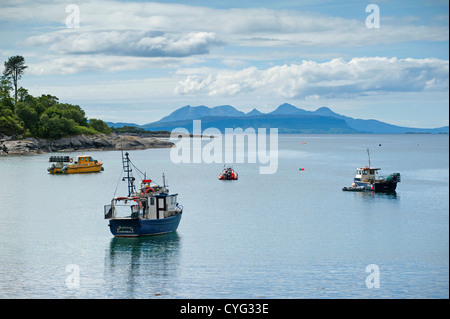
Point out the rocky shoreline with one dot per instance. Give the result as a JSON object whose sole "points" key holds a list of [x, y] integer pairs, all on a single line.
{"points": [[32, 146]]}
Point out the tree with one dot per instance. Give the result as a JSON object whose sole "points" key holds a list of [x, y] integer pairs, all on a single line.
{"points": [[43, 116], [5, 100], [100, 126], [28, 115], [23, 96], [14, 69]]}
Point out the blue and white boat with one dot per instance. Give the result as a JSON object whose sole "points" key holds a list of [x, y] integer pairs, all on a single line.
{"points": [[149, 210], [366, 179]]}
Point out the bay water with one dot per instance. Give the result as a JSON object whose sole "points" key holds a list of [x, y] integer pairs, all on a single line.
{"points": [[291, 234]]}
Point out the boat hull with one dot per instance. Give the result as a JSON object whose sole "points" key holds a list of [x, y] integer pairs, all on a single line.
{"points": [[73, 169], [378, 187], [128, 227], [226, 178]]}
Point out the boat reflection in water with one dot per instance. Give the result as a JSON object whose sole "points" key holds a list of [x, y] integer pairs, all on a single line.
{"points": [[381, 195], [143, 267]]}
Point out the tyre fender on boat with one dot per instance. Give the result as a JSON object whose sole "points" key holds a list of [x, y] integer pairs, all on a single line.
{"points": [[148, 190]]}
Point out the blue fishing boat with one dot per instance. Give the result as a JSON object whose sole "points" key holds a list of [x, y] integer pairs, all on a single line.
{"points": [[148, 210], [366, 179]]}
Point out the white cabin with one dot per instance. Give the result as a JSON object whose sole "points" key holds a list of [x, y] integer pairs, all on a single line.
{"points": [[366, 174], [150, 206]]}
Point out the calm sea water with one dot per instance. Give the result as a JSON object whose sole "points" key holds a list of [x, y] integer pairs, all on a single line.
{"points": [[292, 234]]}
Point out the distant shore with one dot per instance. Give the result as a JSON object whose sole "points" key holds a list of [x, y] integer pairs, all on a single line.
{"points": [[99, 142]]}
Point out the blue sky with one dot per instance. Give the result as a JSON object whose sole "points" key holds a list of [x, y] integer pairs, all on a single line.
{"points": [[137, 61]]}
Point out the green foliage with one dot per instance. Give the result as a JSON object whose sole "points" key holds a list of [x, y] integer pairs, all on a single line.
{"points": [[10, 126], [56, 127], [139, 130], [43, 116], [130, 129], [28, 115], [75, 113], [100, 126], [86, 130], [6, 101], [10, 122]]}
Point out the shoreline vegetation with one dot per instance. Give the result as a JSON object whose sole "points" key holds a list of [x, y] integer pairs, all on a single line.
{"points": [[36, 125]]}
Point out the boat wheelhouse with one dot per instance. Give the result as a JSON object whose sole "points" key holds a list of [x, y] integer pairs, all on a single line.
{"points": [[150, 210]]}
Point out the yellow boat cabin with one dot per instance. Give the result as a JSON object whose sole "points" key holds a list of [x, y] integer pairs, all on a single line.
{"points": [[66, 165]]}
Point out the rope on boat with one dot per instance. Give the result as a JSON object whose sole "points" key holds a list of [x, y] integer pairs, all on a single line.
{"points": [[143, 174], [120, 177]]}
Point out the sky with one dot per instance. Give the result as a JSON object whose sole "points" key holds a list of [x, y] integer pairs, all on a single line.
{"points": [[138, 61]]}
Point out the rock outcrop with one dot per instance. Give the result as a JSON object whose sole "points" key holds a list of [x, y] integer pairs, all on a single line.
{"points": [[30, 146]]}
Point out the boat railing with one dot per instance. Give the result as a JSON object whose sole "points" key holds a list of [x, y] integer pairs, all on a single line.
{"points": [[129, 209], [108, 210], [59, 159]]}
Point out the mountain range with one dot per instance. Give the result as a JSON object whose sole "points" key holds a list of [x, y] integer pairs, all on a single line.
{"points": [[286, 117]]}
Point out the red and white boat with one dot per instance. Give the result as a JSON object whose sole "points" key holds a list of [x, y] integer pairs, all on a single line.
{"points": [[228, 173]]}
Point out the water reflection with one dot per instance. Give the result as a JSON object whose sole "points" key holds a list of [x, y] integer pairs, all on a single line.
{"points": [[143, 267], [382, 195]]}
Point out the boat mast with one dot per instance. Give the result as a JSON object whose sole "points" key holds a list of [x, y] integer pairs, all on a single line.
{"points": [[368, 154], [164, 181], [126, 168]]}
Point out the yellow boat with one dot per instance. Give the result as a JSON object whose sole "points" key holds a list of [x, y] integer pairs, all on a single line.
{"points": [[66, 165]]}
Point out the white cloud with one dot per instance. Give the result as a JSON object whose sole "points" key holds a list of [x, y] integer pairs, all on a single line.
{"points": [[114, 35], [244, 27], [73, 64], [335, 78], [129, 43]]}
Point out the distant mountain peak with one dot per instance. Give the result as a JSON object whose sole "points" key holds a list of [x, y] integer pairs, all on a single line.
{"points": [[325, 111], [254, 112], [229, 107], [287, 106], [324, 108], [288, 109], [197, 112]]}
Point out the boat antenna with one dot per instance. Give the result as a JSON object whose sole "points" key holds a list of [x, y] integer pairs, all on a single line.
{"points": [[126, 168], [164, 181], [368, 155]]}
